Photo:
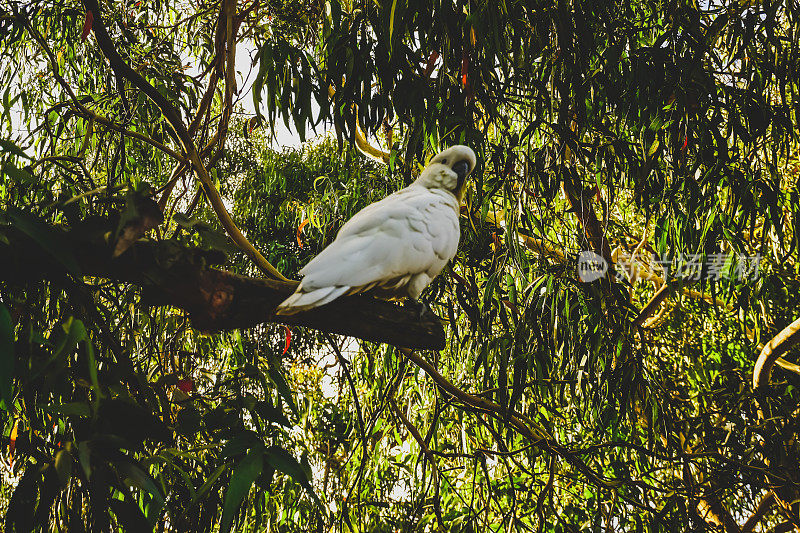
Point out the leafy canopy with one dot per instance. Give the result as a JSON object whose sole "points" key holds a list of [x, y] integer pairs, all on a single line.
{"points": [[659, 135]]}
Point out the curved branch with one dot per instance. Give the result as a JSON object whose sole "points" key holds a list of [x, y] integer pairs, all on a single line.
{"points": [[716, 515], [88, 113], [592, 228], [520, 422], [367, 149], [775, 348], [123, 70], [134, 134], [651, 306]]}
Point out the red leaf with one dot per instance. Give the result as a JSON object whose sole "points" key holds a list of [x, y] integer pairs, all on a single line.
{"points": [[186, 385], [12, 440], [300, 230], [87, 25], [288, 341], [685, 142], [431, 63], [464, 69]]}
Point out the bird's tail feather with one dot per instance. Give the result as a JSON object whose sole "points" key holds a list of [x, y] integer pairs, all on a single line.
{"points": [[303, 301]]}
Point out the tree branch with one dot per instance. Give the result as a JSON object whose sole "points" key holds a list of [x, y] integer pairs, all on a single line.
{"points": [[215, 300], [762, 509], [711, 510], [520, 422], [589, 222], [775, 348], [361, 140], [123, 70], [660, 295]]}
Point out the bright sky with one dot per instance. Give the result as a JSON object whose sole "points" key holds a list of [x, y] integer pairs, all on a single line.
{"points": [[245, 53]]}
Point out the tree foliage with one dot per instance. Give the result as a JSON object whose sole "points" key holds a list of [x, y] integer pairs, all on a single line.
{"points": [[660, 136]]}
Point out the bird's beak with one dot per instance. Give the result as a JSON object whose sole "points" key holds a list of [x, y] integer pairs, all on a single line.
{"points": [[461, 169]]}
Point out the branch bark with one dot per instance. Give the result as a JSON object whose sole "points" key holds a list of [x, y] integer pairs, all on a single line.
{"points": [[660, 295], [588, 219], [711, 510], [215, 300], [775, 348]]}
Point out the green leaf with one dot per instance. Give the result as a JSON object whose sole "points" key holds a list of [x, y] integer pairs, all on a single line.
{"points": [[214, 240], [242, 479], [265, 62], [129, 515], [184, 221], [12, 148], [75, 333], [80, 409], [137, 477], [272, 414], [275, 374], [21, 506], [6, 358], [240, 444], [201, 492], [391, 21], [18, 175], [280, 459], [80, 333], [653, 148], [63, 465]]}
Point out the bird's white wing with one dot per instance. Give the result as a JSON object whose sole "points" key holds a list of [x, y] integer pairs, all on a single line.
{"points": [[408, 232]]}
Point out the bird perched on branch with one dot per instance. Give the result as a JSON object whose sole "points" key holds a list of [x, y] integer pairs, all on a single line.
{"points": [[396, 246]]}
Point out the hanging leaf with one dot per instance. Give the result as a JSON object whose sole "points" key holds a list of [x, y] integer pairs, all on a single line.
{"points": [[20, 176], [281, 460], [11, 148], [243, 477], [287, 340], [278, 379], [87, 25]]}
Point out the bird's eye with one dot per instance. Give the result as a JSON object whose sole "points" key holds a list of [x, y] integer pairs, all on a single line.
{"points": [[443, 161]]}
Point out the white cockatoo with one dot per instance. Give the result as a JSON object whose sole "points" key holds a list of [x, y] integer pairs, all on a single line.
{"points": [[396, 246]]}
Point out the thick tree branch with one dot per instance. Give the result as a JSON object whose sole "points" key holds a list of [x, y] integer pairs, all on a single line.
{"points": [[589, 222], [660, 295], [711, 510], [775, 348], [214, 299]]}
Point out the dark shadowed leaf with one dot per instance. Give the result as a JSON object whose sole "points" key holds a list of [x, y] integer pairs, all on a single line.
{"points": [[243, 477], [6, 358], [280, 459], [49, 240], [11, 147]]}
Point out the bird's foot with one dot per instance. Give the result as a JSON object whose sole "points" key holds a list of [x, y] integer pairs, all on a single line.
{"points": [[421, 307]]}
